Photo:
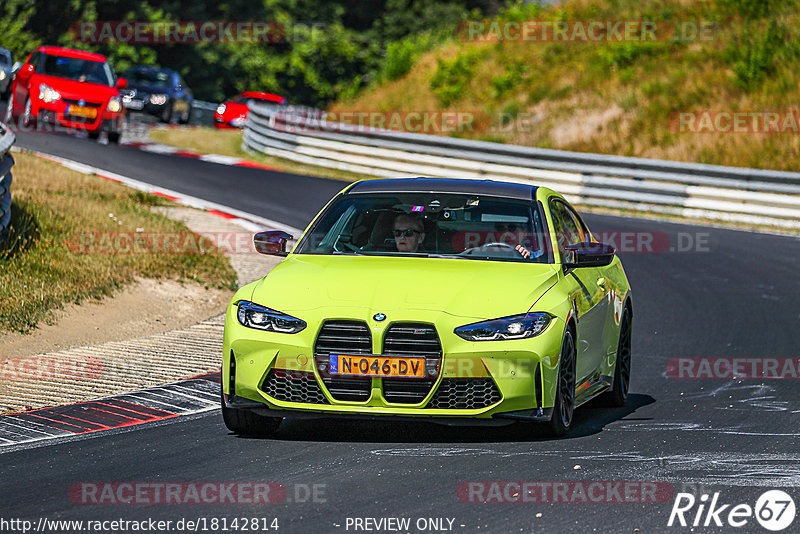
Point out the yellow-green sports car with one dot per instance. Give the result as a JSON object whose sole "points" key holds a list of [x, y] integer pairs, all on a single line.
{"points": [[445, 300]]}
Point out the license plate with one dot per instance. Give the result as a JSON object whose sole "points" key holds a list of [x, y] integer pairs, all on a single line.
{"points": [[360, 365], [134, 104], [81, 111]]}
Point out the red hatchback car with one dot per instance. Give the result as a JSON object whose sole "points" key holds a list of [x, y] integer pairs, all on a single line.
{"points": [[72, 88], [232, 113]]}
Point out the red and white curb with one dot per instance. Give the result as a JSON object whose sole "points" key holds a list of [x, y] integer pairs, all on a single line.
{"points": [[246, 220], [188, 397], [158, 148]]}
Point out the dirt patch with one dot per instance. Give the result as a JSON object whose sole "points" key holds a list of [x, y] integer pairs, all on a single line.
{"points": [[143, 308]]}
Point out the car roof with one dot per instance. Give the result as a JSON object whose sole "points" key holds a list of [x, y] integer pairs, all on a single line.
{"points": [[261, 95], [149, 68], [71, 52], [446, 185]]}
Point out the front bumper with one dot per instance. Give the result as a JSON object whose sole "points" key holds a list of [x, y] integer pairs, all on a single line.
{"points": [[522, 372], [56, 113]]}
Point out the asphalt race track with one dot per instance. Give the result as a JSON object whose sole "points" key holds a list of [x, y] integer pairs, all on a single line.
{"points": [[706, 292]]}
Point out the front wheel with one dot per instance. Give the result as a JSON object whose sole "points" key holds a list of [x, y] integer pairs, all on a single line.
{"points": [[113, 137], [622, 369], [564, 406], [247, 423], [9, 115], [27, 115]]}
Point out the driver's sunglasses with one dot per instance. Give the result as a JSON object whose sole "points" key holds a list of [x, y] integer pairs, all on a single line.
{"points": [[408, 232]]}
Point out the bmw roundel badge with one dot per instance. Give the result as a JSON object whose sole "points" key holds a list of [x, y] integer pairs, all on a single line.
{"points": [[379, 317]]}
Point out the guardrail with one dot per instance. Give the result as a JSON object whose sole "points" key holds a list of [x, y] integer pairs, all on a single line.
{"points": [[6, 161], [737, 194]]}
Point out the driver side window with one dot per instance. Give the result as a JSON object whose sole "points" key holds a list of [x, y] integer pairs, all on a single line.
{"points": [[567, 229]]}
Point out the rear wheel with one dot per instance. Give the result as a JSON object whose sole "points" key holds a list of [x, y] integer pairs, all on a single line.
{"points": [[94, 135], [622, 369], [247, 423], [564, 406]]}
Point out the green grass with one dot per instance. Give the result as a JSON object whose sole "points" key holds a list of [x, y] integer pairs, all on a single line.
{"points": [[53, 209]]}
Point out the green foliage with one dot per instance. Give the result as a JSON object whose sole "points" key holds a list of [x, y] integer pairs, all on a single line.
{"points": [[512, 76], [756, 54], [331, 46], [627, 53], [751, 9], [452, 76], [15, 35]]}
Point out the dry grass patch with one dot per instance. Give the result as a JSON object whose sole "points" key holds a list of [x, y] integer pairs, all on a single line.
{"points": [[53, 206]]}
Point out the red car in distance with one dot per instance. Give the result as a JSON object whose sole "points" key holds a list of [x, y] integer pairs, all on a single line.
{"points": [[71, 88], [232, 113]]}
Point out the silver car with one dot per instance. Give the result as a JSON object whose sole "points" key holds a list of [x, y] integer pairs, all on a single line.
{"points": [[6, 72]]}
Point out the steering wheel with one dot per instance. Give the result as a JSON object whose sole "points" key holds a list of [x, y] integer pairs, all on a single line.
{"points": [[472, 250]]}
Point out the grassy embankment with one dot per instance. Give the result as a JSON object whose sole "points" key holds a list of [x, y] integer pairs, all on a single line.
{"points": [[620, 97], [41, 268]]}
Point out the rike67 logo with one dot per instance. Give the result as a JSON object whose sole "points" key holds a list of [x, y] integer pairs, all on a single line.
{"points": [[774, 510]]}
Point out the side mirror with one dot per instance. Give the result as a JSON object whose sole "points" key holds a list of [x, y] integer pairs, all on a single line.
{"points": [[588, 255], [15, 67], [25, 71], [272, 242], [122, 83]]}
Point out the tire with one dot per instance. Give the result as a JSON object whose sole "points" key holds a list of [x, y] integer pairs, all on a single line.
{"points": [[27, 114], [166, 115], [185, 116], [94, 135], [564, 406], [8, 118], [247, 423], [113, 137], [622, 369]]}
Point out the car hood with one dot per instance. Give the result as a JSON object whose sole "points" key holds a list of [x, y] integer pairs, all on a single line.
{"points": [[149, 89], [466, 288], [235, 108], [73, 89]]}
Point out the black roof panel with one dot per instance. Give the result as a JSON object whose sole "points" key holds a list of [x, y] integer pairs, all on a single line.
{"points": [[446, 185]]}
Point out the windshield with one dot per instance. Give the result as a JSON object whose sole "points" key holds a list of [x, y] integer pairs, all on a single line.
{"points": [[5, 57], [430, 225], [73, 68], [148, 77]]}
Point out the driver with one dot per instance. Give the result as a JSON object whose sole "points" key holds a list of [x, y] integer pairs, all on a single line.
{"points": [[409, 232]]}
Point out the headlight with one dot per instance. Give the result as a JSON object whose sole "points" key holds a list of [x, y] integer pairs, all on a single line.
{"points": [[2, 75], [221, 109], [158, 99], [255, 316], [48, 94], [114, 105], [514, 327]]}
